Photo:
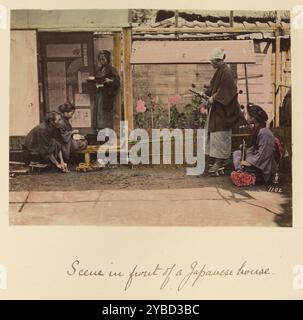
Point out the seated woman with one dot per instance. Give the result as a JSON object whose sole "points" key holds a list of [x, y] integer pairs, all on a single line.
{"points": [[260, 157], [41, 143], [66, 132]]}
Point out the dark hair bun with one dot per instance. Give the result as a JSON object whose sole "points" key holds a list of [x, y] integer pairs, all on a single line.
{"points": [[66, 107], [106, 54], [257, 112], [51, 116]]}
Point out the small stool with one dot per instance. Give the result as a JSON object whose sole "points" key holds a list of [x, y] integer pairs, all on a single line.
{"points": [[87, 152]]}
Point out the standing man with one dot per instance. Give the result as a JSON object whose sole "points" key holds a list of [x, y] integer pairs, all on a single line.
{"points": [[224, 111]]}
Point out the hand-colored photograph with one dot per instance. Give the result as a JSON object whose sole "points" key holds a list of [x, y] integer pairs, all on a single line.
{"points": [[145, 117]]}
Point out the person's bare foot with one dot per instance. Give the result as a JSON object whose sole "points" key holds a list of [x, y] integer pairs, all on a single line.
{"points": [[64, 167]]}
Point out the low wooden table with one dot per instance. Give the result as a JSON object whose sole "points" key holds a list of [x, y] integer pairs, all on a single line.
{"points": [[98, 148]]}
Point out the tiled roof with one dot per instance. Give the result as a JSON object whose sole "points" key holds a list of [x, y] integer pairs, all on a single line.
{"points": [[210, 24], [208, 36], [203, 19]]}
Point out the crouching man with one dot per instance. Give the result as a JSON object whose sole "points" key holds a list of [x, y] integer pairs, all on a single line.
{"points": [[41, 143]]}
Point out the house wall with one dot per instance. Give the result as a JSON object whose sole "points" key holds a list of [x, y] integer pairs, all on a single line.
{"points": [[190, 51], [68, 19], [169, 79], [260, 79], [25, 105], [164, 80], [24, 92], [284, 79]]}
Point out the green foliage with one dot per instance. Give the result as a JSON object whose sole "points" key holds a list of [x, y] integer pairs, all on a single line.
{"points": [[140, 119], [159, 115], [156, 116], [195, 119], [177, 119]]}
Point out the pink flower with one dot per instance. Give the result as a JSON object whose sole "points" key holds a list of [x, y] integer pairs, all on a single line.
{"points": [[140, 108], [203, 110], [173, 100]]}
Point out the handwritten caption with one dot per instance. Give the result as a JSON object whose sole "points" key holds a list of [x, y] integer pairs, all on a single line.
{"points": [[180, 277]]}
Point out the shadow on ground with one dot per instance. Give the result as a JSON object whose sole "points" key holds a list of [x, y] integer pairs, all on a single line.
{"points": [[157, 178]]}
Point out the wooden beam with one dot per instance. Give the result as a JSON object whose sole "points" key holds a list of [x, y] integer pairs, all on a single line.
{"points": [[68, 29], [155, 30], [127, 78], [117, 65], [205, 30]]}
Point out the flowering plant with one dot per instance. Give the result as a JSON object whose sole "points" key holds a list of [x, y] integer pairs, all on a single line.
{"points": [[158, 115], [196, 112], [140, 106], [203, 107], [174, 100], [140, 113]]}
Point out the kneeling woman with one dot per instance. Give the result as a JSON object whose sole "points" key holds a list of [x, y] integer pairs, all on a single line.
{"points": [[66, 132], [41, 143], [260, 157]]}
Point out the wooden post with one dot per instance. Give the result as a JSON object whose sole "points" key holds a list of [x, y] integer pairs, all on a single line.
{"points": [[231, 18], [277, 81], [176, 18], [277, 72], [288, 68], [246, 84], [87, 158], [117, 65], [127, 78], [283, 76]]}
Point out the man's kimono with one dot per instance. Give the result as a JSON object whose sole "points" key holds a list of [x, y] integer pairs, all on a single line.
{"points": [[40, 142], [224, 113]]}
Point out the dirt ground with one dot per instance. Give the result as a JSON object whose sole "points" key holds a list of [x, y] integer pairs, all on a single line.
{"points": [[121, 177], [140, 178]]}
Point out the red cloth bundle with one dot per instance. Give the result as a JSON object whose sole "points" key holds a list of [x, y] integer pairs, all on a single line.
{"points": [[243, 179]]}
